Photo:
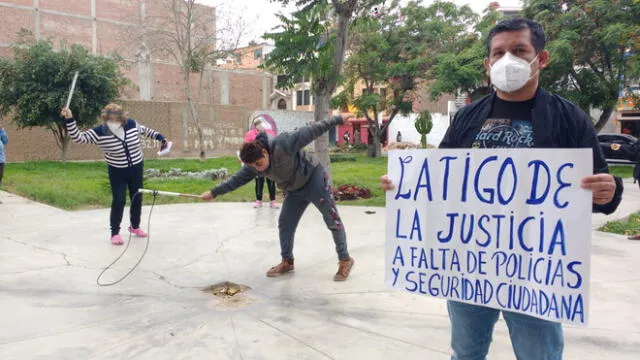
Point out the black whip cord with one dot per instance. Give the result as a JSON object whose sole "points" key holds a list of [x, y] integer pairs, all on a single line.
{"points": [[146, 247]]}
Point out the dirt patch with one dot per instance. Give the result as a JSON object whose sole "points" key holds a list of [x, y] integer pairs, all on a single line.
{"points": [[226, 289], [231, 295]]}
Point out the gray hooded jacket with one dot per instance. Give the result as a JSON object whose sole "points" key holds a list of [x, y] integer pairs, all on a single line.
{"points": [[290, 167]]}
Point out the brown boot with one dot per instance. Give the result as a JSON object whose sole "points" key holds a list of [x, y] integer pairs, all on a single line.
{"points": [[284, 267], [344, 268]]}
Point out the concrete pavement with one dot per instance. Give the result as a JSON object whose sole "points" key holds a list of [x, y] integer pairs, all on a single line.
{"points": [[51, 308]]}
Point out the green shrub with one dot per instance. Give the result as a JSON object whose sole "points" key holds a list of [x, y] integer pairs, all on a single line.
{"points": [[335, 158], [359, 147]]}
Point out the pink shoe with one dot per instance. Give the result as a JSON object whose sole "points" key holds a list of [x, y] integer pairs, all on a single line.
{"points": [[258, 204], [138, 232], [274, 205], [117, 240]]}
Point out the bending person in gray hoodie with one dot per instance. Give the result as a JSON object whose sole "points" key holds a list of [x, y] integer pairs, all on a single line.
{"points": [[303, 179]]}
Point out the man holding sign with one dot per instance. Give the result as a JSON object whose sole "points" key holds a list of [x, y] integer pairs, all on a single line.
{"points": [[505, 230]]}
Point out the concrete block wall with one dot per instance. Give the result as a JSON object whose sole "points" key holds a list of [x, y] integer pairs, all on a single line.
{"points": [[223, 127]]}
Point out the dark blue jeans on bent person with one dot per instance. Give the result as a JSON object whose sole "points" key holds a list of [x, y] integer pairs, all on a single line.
{"points": [[472, 330], [122, 179], [271, 186], [318, 192]]}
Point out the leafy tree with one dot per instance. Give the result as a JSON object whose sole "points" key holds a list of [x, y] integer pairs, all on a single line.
{"points": [[395, 50], [319, 57], [378, 60], [302, 50], [35, 83], [461, 69], [442, 27], [587, 41]]}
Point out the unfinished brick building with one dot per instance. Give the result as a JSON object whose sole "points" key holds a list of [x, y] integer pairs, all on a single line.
{"points": [[227, 97], [107, 26]]}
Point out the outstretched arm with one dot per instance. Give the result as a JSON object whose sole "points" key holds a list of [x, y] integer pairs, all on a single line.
{"points": [[150, 133], [77, 136], [242, 177], [304, 136]]}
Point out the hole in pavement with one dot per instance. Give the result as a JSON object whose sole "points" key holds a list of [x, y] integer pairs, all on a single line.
{"points": [[226, 289]]}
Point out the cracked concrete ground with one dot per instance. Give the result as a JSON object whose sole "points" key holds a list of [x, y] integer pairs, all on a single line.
{"points": [[51, 307]]}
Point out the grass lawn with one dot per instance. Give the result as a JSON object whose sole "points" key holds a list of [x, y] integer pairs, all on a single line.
{"points": [[631, 225], [625, 227], [624, 171], [85, 185]]}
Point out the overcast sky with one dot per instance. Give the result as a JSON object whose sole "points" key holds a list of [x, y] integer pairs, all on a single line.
{"points": [[260, 14]]}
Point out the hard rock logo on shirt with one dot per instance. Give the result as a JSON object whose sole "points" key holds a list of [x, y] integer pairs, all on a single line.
{"points": [[504, 133]]}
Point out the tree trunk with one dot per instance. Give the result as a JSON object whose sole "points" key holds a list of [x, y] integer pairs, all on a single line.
{"points": [[320, 113], [185, 128], [203, 146], [59, 132], [64, 147], [200, 84], [604, 118], [326, 88], [377, 145], [194, 113], [196, 120], [374, 148], [200, 133]]}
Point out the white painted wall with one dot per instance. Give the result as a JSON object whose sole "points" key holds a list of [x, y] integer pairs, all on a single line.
{"points": [[405, 124], [286, 120]]}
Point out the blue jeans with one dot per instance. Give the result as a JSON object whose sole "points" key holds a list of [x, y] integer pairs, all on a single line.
{"points": [[472, 328]]}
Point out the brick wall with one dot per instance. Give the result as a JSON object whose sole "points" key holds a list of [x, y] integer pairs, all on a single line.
{"points": [[73, 30], [12, 20], [118, 10], [235, 93], [114, 26], [112, 38], [82, 7]]}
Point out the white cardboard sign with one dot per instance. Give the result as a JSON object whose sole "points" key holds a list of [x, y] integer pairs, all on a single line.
{"points": [[506, 229]]}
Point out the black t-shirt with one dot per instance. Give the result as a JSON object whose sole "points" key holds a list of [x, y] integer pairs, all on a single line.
{"points": [[508, 126]]}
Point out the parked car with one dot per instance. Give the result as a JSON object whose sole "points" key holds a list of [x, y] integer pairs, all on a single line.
{"points": [[607, 139]]}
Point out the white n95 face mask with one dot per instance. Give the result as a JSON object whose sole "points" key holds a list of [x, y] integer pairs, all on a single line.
{"points": [[511, 73], [113, 126]]}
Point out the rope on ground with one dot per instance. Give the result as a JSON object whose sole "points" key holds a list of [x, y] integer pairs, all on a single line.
{"points": [[146, 247]]}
